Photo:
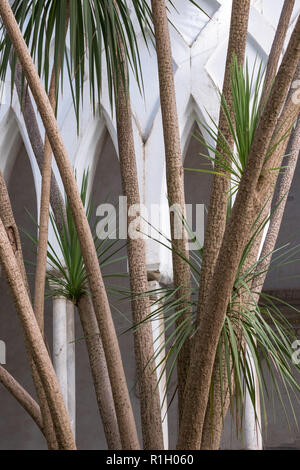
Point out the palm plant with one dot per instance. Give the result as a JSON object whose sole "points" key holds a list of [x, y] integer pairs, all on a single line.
{"points": [[95, 25], [242, 121], [68, 279], [256, 182], [255, 340], [221, 320], [97, 288], [251, 330]]}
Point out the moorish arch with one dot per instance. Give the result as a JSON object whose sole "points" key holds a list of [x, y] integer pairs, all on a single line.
{"points": [[197, 176]]}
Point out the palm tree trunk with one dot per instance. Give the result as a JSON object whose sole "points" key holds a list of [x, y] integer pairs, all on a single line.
{"points": [[175, 180], [99, 372], [11, 228], [214, 417], [36, 141], [277, 48], [58, 207], [102, 310], [283, 126], [23, 397], [36, 343], [279, 202], [42, 250], [217, 220], [143, 337], [217, 408], [251, 190]]}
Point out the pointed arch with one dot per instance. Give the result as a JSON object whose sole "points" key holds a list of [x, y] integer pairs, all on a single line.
{"points": [[90, 147]]}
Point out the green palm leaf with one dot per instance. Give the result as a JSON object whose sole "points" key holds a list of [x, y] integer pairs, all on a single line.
{"points": [[95, 26]]}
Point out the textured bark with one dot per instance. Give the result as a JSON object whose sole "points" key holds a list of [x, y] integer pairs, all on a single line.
{"points": [[243, 214], [175, 180], [143, 337], [276, 50], [11, 228], [48, 426], [41, 265], [37, 346], [212, 431], [216, 409], [216, 221], [56, 198], [58, 208], [102, 310], [42, 250], [279, 202], [99, 372], [23, 397], [212, 439]]}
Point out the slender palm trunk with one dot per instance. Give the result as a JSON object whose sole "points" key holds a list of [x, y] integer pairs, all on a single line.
{"points": [[22, 396], [283, 185], [11, 228], [102, 309], [217, 407], [211, 439], [59, 210], [216, 222], [37, 346], [175, 181], [251, 190], [36, 141], [143, 337], [99, 372], [41, 264], [277, 48], [279, 202]]}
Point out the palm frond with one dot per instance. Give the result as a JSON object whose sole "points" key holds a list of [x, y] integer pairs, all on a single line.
{"points": [[96, 29], [242, 121], [94, 26], [67, 275]]}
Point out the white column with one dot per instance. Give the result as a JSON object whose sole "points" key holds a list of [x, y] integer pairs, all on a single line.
{"points": [[252, 430], [158, 329], [71, 365], [60, 344], [252, 437]]}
